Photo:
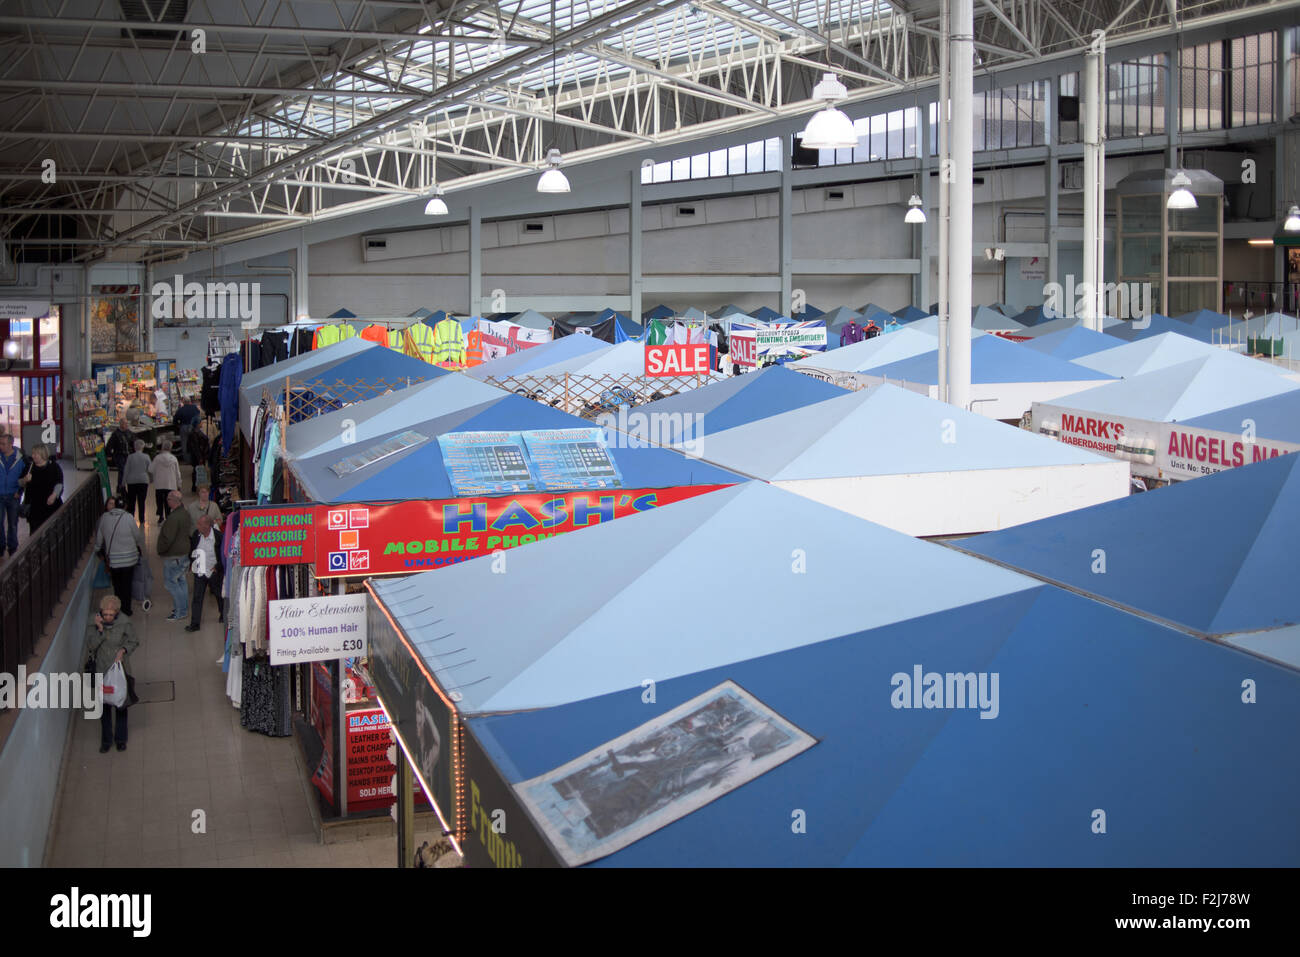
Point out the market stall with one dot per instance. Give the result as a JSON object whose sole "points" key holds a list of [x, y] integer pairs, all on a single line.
{"points": [[920, 466], [1006, 378], [1125, 360], [1132, 419], [1072, 343]]}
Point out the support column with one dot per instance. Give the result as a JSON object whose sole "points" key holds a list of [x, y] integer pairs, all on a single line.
{"points": [[786, 243], [1173, 102], [87, 345], [405, 811], [962, 196], [146, 304], [1094, 178], [1282, 200], [634, 246], [475, 274], [301, 306], [921, 238], [945, 179], [1051, 184]]}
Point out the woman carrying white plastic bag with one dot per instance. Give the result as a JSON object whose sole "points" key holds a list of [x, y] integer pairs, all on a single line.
{"points": [[110, 639]]}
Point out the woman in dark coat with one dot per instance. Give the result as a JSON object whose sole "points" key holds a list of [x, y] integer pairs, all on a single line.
{"points": [[44, 488]]}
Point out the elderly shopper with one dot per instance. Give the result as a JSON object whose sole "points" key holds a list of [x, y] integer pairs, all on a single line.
{"points": [[135, 478], [174, 549], [13, 466], [205, 554], [205, 506], [118, 448], [44, 484], [110, 638], [120, 542], [166, 474]]}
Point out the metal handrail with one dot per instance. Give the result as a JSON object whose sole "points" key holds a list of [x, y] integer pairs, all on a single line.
{"points": [[33, 581]]}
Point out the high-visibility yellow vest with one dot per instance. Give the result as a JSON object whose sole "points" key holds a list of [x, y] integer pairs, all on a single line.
{"points": [[328, 335], [396, 339], [419, 341], [448, 342]]}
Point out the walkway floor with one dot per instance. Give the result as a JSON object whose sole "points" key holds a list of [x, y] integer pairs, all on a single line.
{"points": [[189, 755]]}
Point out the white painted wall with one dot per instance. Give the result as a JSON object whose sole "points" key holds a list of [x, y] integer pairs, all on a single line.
{"points": [[586, 253]]}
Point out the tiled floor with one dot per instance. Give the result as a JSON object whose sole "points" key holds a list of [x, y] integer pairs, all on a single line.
{"points": [[141, 807]]}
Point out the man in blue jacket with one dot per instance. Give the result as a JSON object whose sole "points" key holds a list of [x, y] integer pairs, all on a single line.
{"points": [[13, 466]]}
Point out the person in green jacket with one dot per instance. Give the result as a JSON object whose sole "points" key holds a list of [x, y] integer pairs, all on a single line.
{"points": [[174, 549], [109, 638]]}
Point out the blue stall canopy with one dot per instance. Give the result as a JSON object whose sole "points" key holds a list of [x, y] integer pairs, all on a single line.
{"points": [[880, 430], [419, 473], [729, 310], [1146, 355], [525, 361], [1146, 722], [387, 414], [697, 314], [993, 359], [658, 312], [838, 318], [1205, 319], [1072, 343], [530, 319], [552, 643], [1276, 418], [1180, 392], [1009, 311], [1036, 315], [342, 313], [1049, 326], [1214, 555], [982, 317], [768, 314], [372, 368], [809, 312], [911, 313], [1136, 329], [872, 353], [734, 401], [316, 362]]}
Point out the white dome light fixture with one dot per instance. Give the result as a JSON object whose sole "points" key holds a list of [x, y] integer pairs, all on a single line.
{"points": [[553, 180], [436, 206], [915, 210], [829, 128], [1292, 224], [12, 349], [1181, 197]]}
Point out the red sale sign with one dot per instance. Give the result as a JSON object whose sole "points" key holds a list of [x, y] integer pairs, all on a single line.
{"points": [[405, 537], [670, 360]]}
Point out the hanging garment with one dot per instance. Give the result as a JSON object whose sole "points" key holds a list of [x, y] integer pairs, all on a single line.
{"points": [[658, 333], [448, 343], [396, 340], [209, 400], [375, 333], [275, 347], [232, 371], [303, 340], [474, 349], [420, 342], [329, 335], [852, 333]]}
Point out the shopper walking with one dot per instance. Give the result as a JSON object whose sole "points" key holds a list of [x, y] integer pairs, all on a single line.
{"points": [[166, 474], [119, 541], [135, 475], [13, 466], [44, 484], [187, 416], [174, 549], [111, 638], [117, 449], [205, 506], [205, 553]]}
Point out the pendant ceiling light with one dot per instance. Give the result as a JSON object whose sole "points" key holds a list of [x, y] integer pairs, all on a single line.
{"points": [[829, 129], [436, 206], [1181, 197], [1292, 224], [915, 210], [553, 180]]}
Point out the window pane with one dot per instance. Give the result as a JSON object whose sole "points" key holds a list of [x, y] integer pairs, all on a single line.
{"points": [[718, 163], [754, 157], [700, 166], [735, 160], [1193, 256], [894, 144], [772, 154], [682, 168], [877, 137], [663, 172], [1203, 219]]}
